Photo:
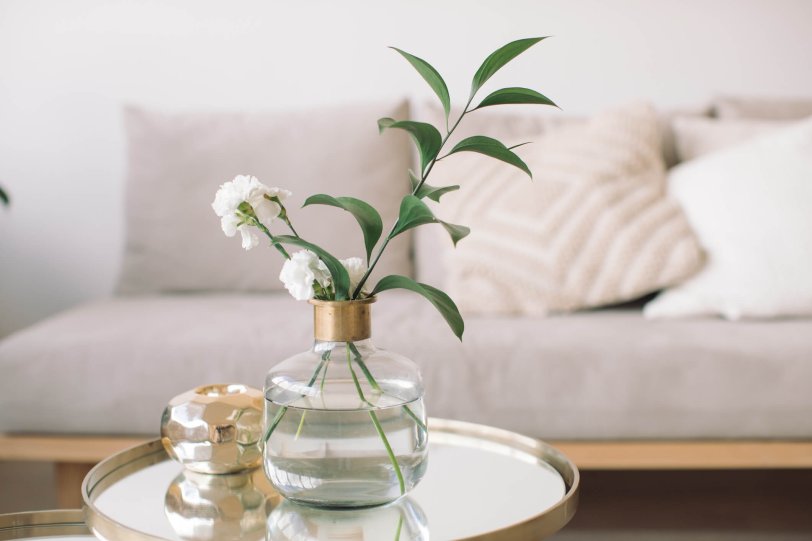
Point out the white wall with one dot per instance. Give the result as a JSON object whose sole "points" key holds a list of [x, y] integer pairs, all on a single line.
{"points": [[67, 66]]}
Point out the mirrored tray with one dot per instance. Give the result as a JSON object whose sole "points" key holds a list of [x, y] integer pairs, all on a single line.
{"points": [[60, 525], [482, 483]]}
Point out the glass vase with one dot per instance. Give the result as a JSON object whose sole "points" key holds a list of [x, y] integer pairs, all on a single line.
{"points": [[345, 424]]}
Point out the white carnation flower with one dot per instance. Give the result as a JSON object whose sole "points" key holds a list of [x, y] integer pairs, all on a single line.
{"points": [[246, 189], [301, 271], [356, 269]]}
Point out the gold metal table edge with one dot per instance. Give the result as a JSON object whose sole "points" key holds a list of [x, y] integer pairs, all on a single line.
{"points": [[545, 523], [51, 523]]}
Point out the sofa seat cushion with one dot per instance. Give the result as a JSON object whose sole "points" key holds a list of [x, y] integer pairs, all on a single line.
{"points": [[111, 366]]}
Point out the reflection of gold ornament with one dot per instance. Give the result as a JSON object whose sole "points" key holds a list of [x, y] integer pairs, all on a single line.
{"points": [[205, 507], [215, 428], [402, 520]]}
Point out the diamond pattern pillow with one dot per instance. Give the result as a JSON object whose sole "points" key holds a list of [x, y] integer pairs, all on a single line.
{"points": [[593, 228]]}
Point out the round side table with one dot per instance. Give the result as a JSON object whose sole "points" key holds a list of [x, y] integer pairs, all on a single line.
{"points": [[482, 483]]}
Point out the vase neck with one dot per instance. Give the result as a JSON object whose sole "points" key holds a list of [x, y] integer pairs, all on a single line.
{"points": [[342, 321], [364, 346]]}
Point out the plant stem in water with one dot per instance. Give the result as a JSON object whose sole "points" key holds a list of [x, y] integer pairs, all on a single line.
{"points": [[281, 413], [377, 424], [400, 527], [275, 423], [374, 385], [389, 451]]}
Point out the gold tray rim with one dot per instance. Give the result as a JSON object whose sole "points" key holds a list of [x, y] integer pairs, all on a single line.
{"points": [[46, 523], [544, 524]]}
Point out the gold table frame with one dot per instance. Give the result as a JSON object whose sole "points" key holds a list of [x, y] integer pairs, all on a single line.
{"points": [[62, 522], [498, 440]]}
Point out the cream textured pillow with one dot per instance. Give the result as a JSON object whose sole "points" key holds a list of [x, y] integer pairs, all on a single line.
{"points": [[699, 136], [593, 228], [177, 162], [751, 207]]}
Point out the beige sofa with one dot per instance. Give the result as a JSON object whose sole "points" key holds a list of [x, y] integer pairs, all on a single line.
{"points": [[613, 389]]}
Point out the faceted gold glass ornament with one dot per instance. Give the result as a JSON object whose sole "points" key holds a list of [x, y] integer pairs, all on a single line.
{"points": [[215, 428], [205, 507]]}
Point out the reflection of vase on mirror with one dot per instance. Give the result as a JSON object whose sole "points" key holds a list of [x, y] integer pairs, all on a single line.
{"points": [[403, 520], [205, 507]]}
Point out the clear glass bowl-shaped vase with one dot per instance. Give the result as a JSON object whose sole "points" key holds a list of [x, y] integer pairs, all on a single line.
{"points": [[345, 424]]}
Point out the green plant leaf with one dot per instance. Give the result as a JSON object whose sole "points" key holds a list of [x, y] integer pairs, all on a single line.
{"points": [[4, 197], [493, 148], [440, 300], [365, 214], [499, 58], [414, 212], [341, 279], [426, 137], [515, 95], [434, 193], [432, 77], [413, 179], [457, 232]]}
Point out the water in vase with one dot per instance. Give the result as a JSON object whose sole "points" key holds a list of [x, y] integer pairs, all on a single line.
{"points": [[335, 451]]}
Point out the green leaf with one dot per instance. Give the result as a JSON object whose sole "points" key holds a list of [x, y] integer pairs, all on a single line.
{"points": [[425, 190], [365, 214], [432, 77], [514, 95], [341, 279], [434, 193], [440, 300], [414, 212], [499, 58], [457, 232], [493, 148], [4, 197], [426, 137]]}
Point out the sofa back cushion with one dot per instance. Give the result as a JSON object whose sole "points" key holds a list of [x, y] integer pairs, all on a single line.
{"points": [[696, 136], [177, 162], [762, 107]]}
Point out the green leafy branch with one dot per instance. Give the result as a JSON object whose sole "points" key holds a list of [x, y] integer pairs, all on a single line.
{"points": [[413, 210], [429, 142]]}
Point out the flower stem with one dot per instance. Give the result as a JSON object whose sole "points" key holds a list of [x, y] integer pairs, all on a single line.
{"points": [[355, 380], [389, 451], [400, 527], [414, 192], [374, 385], [377, 424], [415, 418], [281, 413], [276, 245], [276, 420]]}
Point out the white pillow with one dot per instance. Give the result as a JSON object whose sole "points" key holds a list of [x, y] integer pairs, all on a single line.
{"points": [[751, 207]]}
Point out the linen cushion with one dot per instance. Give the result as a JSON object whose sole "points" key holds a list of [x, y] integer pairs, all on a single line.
{"points": [[751, 207], [699, 136], [766, 108], [177, 162], [593, 228], [111, 367]]}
